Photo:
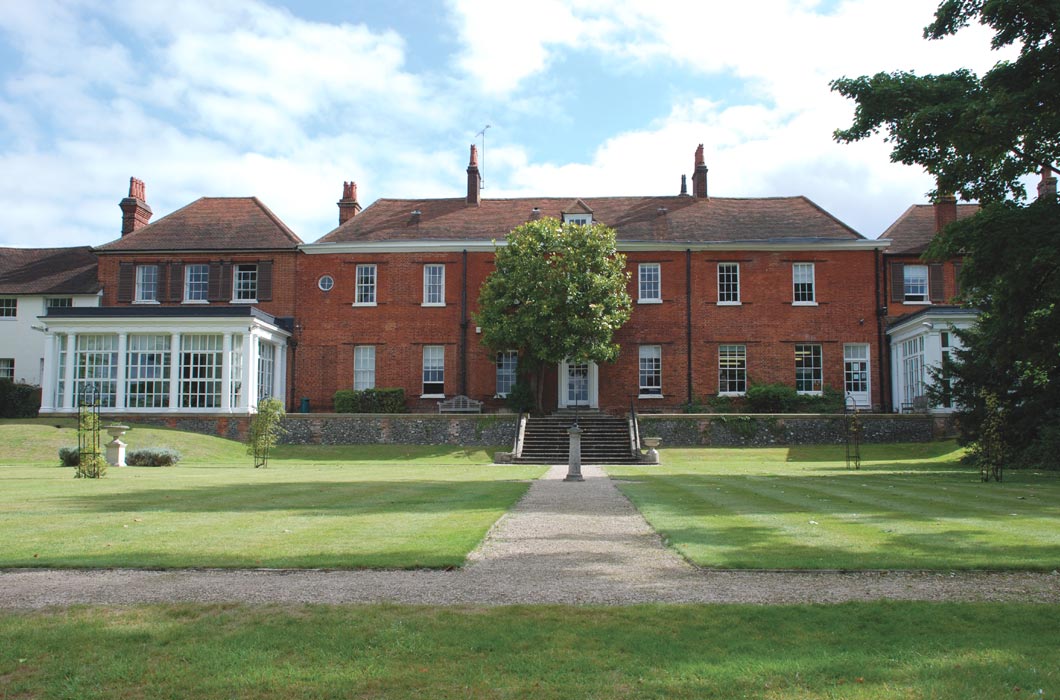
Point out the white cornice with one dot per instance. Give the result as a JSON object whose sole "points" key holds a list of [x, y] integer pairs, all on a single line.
{"points": [[481, 246]]}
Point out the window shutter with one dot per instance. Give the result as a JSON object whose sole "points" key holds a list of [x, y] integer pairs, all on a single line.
{"points": [[213, 285], [126, 281], [956, 279], [176, 282], [935, 286], [226, 282], [897, 282], [162, 290], [265, 280]]}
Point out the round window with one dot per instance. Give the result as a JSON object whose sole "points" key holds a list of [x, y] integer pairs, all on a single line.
{"points": [[326, 283]]}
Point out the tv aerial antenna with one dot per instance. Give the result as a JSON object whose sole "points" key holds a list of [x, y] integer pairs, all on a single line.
{"points": [[482, 180]]}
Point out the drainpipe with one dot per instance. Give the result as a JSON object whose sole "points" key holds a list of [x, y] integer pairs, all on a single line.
{"points": [[463, 325], [884, 354], [688, 321]]}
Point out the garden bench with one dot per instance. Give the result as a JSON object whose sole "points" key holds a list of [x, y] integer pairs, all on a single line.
{"points": [[460, 404]]}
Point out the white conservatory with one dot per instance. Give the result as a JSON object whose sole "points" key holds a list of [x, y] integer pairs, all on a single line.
{"points": [[166, 361], [918, 342]]}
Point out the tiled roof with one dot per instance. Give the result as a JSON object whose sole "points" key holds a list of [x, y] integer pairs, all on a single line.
{"points": [[48, 271], [915, 228], [687, 219], [211, 223]]}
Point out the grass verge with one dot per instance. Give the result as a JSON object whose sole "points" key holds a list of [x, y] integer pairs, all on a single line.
{"points": [[377, 506], [908, 507], [857, 650]]}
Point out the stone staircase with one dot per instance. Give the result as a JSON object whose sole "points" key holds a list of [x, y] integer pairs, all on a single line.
{"points": [[605, 439]]}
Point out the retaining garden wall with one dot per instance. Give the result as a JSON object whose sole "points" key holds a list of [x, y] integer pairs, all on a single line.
{"points": [[759, 430]]}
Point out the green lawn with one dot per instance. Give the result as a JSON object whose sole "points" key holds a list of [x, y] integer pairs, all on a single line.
{"points": [[908, 507], [863, 650], [315, 507]]}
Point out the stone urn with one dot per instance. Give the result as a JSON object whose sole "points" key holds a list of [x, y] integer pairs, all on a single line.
{"points": [[652, 457], [116, 448]]}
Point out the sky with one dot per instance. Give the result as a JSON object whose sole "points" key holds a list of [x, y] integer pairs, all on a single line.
{"points": [[286, 100]]}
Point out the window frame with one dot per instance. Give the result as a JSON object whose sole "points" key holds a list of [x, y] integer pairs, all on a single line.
{"points": [[508, 368], [911, 298], [140, 287], [728, 375], [7, 368], [437, 286], [363, 372], [8, 308], [58, 303], [816, 369], [364, 285], [189, 269], [436, 367], [643, 298], [649, 372], [729, 302], [795, 282], [241, 285], [578, 219]]}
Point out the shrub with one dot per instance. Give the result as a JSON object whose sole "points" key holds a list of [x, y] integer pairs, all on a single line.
{"points": [[772, 398], [18, 400], [152, 457], [521, 398], [370, 401], [69, 456], [265, 430]]}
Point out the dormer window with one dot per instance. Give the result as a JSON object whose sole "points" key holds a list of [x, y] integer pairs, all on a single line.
{"points": [[579, 219]]}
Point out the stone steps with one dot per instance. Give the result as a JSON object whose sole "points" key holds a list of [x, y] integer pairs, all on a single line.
{"points": [[605, 439]]}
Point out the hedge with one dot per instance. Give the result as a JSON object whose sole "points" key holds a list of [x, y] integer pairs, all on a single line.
{"points": [[18, 400], [370, 401]]}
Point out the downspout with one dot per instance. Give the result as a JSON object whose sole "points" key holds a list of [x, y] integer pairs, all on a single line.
{"points": [[463, 325], [884, 353], [688, 321]]}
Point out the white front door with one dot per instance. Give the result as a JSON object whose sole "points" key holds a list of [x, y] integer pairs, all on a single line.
{"points": [[578, 385], [856, 374]]}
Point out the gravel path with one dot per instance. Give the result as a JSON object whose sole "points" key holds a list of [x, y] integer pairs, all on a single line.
{"points": [[568, 543]]}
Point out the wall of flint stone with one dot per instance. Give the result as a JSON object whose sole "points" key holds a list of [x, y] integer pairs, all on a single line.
{"points": [[761, 430], [676, 430]]}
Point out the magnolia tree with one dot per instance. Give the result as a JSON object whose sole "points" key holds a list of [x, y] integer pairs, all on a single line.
{"points": [[558, 293]]}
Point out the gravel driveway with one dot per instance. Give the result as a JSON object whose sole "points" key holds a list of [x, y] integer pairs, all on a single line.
{"points": [[568, 543]]}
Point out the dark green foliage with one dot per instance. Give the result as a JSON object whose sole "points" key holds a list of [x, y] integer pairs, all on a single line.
{"points": [[521, 397], [370, 401], [781, 398], [69, 456], [265, 430], [18, 400], [152, 457]]}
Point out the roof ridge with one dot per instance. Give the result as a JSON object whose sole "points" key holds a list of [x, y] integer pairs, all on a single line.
{"points": [[284, 228]]}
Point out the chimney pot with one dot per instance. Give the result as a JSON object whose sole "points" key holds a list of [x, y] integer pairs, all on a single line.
{"points": [[1047, 185], [684, 186], [699, 175], [135, 214], [349, 207], [474, 179]]}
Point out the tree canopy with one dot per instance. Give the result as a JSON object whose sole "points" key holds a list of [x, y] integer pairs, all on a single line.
{"points": [[558, 292], [979, 136]]}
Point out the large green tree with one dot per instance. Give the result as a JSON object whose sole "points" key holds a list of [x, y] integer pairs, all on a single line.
{"points": [[980, 136], [558, 292]]}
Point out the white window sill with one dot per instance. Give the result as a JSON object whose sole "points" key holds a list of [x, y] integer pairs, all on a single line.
{"points": [[195, 301], [500, 396], [364, 303], [916, 303], [804, 303], [809, 393], [651, 396], [730, 303], [8, 318], [145, 301], [433, 305], [649, 301], [244, 301], [732, 394], [432, 396]]}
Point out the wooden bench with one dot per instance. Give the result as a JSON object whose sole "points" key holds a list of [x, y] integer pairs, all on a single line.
{"points": [[460, 404]]}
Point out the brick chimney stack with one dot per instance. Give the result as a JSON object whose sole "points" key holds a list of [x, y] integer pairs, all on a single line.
{"points": [[699, 175], [474, 180], [348, 205], [135, 214], [1047, 185], [945, 211]]}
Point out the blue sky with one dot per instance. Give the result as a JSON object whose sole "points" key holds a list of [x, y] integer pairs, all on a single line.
{"points": [[286, 100]]}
